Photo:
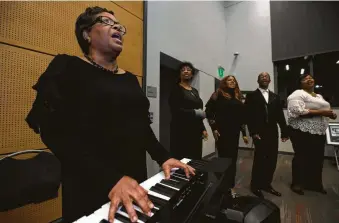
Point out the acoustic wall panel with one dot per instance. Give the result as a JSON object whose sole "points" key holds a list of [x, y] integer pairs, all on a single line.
{"points": [[50, 27], [19, 71]]}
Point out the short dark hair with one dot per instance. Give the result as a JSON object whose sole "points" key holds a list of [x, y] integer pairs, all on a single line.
{"points": [[83, 22], [301, 78], [187, 64]]}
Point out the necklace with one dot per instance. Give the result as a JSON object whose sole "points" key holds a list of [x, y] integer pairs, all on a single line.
{"points": [[189, 88], [312, 93], [101, 67]]}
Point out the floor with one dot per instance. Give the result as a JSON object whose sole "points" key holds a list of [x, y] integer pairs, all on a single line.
{"points": [[309, 208]]}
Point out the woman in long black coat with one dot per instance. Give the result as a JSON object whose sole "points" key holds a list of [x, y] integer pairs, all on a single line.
{"points": [[187, 127]]}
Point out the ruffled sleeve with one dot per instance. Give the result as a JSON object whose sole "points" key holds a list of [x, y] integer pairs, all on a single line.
{"points": [[296, 105]]}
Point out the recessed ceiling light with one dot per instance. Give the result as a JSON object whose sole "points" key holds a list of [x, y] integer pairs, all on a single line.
{"points": [[337, 62], [302, 71], [287, 67]]}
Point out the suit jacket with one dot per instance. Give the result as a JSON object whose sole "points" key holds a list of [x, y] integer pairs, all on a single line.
{"points": [[262, 115]]}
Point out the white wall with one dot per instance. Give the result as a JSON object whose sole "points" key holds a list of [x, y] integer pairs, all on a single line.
{"points": [[206, 90], [248, 31], [193, 31]]}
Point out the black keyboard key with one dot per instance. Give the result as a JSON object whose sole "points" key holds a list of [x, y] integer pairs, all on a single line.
{"points": [[166, 191], [153, 210], [158, 202], [179, 178], [163, 187], [180, 171], [140, 215], [122, 218], [172, 183], [104, 221]]}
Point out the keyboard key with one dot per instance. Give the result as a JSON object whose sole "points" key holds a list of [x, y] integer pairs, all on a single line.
{"points": [[172, 183], [141, 216], [123, 213], [178, 178], [157, 201], [163, 190], [122, 218], [181, 176], [153, 210]]}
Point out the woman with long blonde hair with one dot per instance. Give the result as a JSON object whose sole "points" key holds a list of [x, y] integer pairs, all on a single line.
{"points": [[226, 115]]}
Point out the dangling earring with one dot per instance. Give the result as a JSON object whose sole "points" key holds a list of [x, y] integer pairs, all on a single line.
{"points": [[86, 37]]}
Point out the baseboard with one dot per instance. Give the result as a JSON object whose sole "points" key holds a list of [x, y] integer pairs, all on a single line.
{"points": [[209, 156], [279, 152]]}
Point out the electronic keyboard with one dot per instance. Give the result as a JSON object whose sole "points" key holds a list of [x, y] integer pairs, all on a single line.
{"points": [[177, 200]]}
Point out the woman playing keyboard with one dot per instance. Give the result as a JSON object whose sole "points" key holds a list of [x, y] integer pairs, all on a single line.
{"points": [[103, 128]]}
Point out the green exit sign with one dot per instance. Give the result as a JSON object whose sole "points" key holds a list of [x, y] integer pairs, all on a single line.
{"points": [[221, 71]]}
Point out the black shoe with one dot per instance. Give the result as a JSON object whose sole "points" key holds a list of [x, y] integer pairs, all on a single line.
{"points": [[297, 189], [272, 191], [323, 191], [257, 193], [319, 190]]}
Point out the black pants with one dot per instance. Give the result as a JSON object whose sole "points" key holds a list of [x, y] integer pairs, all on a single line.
{"points": [[227, 147], [308, 159], [265, 158]]}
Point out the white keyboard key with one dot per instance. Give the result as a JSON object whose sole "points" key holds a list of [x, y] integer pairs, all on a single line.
{"points": [[126, 215], [174, 188], [81, 220], [155, 194], [138, 209], [103, 213], [93, 219]]}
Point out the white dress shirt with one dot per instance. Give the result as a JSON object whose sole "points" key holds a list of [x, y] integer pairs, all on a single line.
{"points": [[265, 93]]}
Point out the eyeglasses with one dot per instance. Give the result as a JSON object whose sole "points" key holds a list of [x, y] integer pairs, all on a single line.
{"points": [[110, 22], [186, 68]]}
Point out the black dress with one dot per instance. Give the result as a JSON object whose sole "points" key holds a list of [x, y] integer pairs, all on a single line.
{"points": [[186, 127], [228, 117], [106, 135]]}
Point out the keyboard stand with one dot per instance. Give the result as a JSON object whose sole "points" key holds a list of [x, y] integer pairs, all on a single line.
{"points": [[336, 154], [217, 169]]}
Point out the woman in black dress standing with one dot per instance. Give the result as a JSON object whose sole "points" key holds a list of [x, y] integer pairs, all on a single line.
{"points": [[226, 114], [101, 129], [187, 127]]}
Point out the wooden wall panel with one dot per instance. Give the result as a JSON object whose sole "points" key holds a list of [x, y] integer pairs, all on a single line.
{"points": [[49, 27], [135, 7], [43, 212], [140, 80], [19, 71]]}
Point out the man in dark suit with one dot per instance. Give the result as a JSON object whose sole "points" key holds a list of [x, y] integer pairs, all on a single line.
{"points": [[264, 112]]}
